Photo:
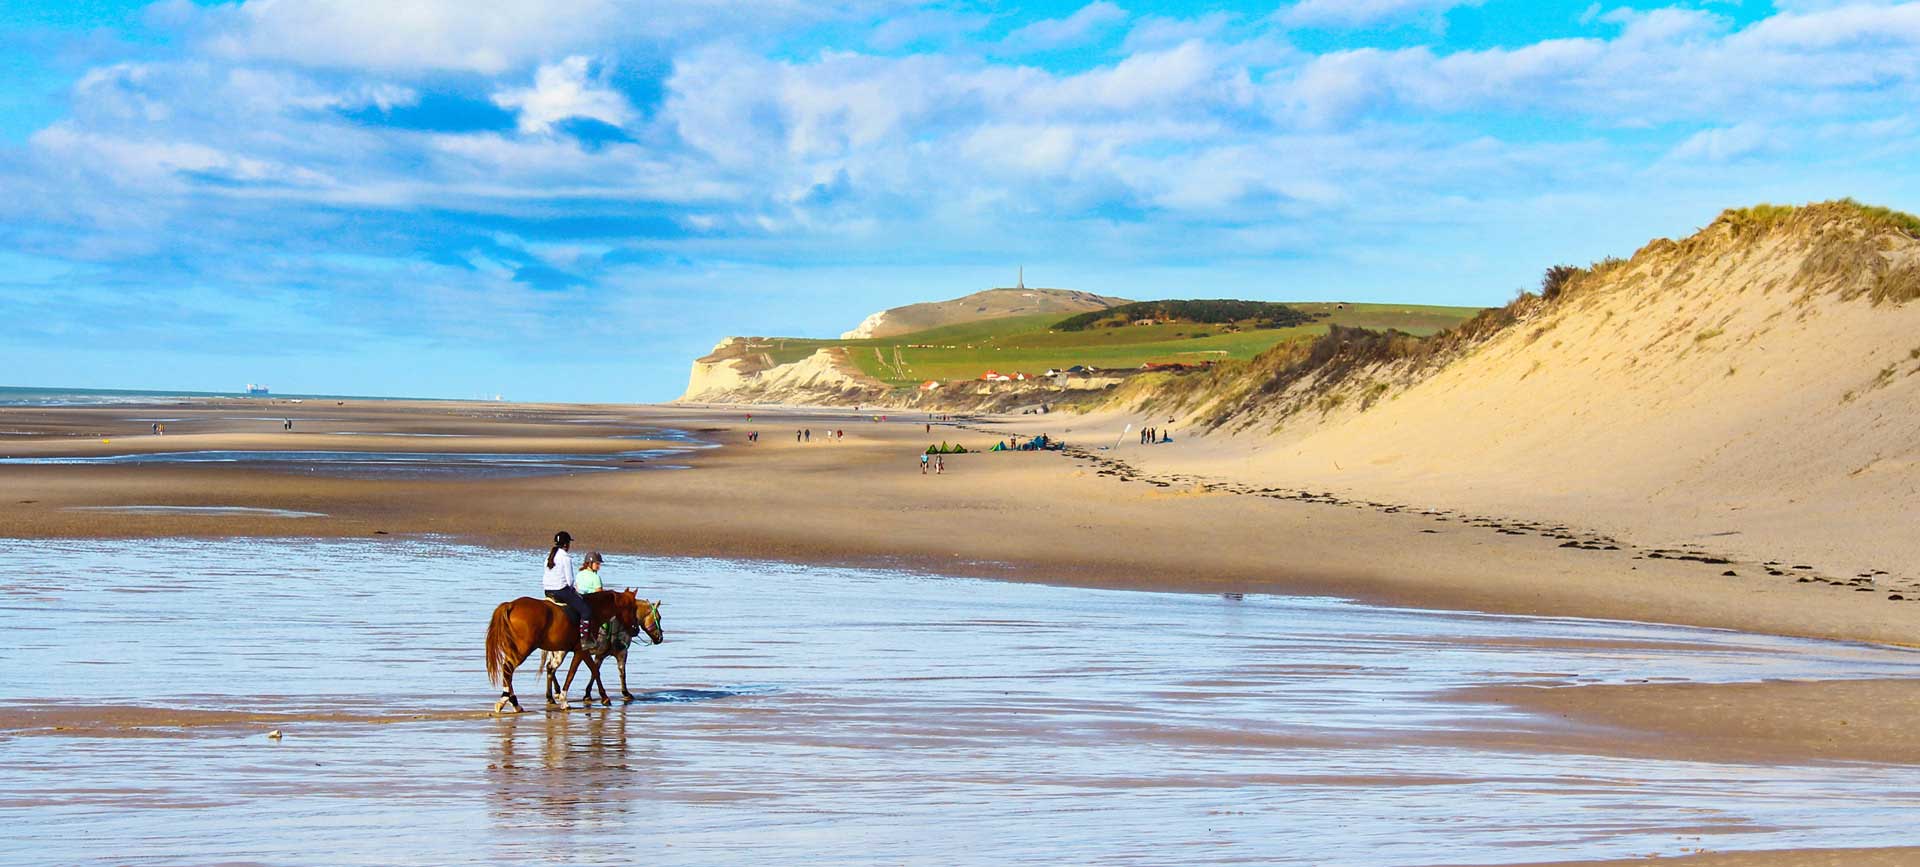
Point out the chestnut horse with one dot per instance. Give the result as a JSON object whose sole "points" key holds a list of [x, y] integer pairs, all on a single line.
{"points": [[527, 624]]}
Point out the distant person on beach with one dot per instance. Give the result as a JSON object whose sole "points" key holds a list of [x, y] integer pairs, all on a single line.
{"points": [[939, 464], [796, 436], [558, 581], [156, 428], [925, 459], [589, 579], [809, 434]]}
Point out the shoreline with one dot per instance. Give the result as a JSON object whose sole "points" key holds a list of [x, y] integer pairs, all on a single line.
{"points": [[860, 502], [1060, 518]]}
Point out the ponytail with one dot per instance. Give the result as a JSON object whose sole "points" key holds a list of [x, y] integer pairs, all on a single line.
{"points": [[555, 550]]}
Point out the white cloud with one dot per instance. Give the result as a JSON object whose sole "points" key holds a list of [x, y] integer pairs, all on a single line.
{"points": [[1155, 31], [1724, 144], [1665, 66], [1078, 27], [933, 24], [1360, 13], [563, 91], [485, 36]]}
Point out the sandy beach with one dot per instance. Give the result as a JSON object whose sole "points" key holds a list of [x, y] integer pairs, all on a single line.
{"points": [[1078, 518]]}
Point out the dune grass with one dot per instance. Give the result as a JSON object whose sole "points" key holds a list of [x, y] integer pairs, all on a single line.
{"points": [[1765, 216]]}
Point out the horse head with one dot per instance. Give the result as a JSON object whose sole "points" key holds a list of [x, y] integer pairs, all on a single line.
{"points": [[639, 615]]}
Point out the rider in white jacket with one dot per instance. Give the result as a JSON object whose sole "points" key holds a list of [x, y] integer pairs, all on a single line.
{"points": [[558, 582]]}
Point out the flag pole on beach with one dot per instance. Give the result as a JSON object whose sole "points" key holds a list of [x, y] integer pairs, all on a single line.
{"points": [[1123, 434]]}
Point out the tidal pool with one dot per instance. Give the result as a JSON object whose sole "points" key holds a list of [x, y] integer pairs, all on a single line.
{"points": [[821, 715]]}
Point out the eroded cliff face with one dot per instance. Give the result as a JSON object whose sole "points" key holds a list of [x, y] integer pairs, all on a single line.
{"points": [[739, 370], [743, 370]]}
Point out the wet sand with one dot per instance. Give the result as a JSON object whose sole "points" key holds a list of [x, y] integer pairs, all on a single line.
{"points": [[822, 714], [862, 501], [1023, 516]]}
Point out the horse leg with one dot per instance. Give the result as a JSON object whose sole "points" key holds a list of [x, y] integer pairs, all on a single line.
{"points": [[549, 666], [571, 671], [506, 689], [621, 657], [594, 664], [553, 681], [593, 677]]}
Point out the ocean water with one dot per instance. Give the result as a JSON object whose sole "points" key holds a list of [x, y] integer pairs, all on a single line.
{"points": [[821, 715], [386, 464], [11, 395]]}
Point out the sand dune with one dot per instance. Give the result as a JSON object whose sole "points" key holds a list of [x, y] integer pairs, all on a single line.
{"points": [[1750, 389]]}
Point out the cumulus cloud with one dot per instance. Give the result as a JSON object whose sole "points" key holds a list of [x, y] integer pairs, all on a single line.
{"points": [[1361, 13], [1665, 66], [483, 36], [1083, 24], [564, 91], [283, 132], [1722, 144], [1157, 31]]}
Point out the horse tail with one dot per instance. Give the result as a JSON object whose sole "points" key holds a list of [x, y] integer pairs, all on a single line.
{"points": [[497, 641]]}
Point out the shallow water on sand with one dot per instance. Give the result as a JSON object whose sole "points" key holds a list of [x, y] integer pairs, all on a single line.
{"points": [[389, 464], [832, 715]]}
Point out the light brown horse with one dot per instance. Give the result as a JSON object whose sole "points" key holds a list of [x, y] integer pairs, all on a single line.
{"points": [[527, 624], [649, 623]]}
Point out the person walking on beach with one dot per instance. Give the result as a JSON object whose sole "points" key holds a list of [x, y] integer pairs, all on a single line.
{"points": [[558, 581], [796, 436], [925, 459], [809, 433], [939, 464], [156, 428]]}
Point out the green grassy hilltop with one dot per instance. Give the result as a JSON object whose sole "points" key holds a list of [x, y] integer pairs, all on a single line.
{"points": [[1032, 344]]}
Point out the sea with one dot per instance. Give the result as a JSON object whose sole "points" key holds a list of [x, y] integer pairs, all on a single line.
{"points": [[33, 395]]}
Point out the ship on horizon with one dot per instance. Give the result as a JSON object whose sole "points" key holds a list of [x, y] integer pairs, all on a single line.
{"points": [[256, 390]]}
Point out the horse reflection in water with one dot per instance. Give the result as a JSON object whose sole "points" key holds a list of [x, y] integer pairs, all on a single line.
{"points": [[524, 625], [556, 778]]}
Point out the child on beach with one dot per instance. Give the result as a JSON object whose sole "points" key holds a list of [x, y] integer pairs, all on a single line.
{"points": [[588, 581], [924, 460]]}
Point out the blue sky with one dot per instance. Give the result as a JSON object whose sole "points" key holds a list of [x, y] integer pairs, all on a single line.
{"points": [[570, 200]]}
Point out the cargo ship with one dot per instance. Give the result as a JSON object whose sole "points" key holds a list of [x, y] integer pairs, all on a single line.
{"points": [[256, 390]]}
